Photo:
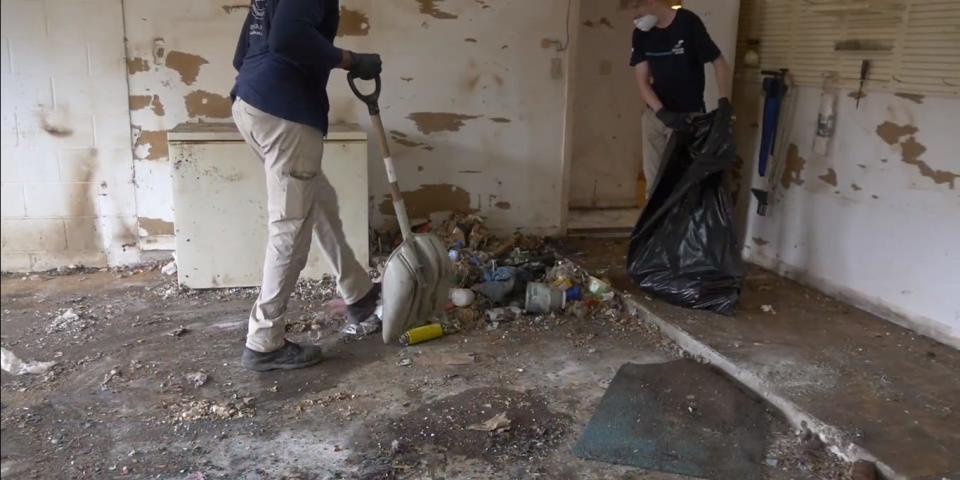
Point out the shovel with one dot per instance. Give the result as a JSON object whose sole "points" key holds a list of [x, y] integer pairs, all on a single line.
{"points": [[416, 281]]}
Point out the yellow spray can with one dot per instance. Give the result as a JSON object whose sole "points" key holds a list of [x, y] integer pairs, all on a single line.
{"points": [[421, 334]]}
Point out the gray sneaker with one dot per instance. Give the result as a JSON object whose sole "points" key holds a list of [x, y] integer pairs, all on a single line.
{"points": [[288, 357], [362, 329]]}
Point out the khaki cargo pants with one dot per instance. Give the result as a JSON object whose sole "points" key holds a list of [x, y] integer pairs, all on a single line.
{"points": [[655, 138], [300, 201]]}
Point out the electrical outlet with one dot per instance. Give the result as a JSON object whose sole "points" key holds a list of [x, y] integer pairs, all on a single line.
{"points": [[556, 68]]}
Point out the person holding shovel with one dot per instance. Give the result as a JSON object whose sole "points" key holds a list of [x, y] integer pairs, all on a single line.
{"points": [[283, 58], [670, 47]]}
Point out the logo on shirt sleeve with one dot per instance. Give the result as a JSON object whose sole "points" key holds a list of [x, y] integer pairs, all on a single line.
{"points": [[258, 9]]}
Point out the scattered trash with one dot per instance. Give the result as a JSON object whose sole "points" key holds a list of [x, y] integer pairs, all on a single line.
{"points": [[113, 373], [495, 424], [422, 334], [772, 462], [170, 268], [496, 291], [598, 287], [68, 320], [207, 410], [768, 309], [462, 297], [404, 362], [179, 331], [503, 314], [13, 365], [197, 379], [542, 298]]}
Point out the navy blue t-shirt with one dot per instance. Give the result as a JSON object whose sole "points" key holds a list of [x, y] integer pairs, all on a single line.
{"points": [[676, 55], [284, 57]]}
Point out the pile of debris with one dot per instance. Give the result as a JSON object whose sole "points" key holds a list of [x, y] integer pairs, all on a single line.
{"points": [[500, 280]]}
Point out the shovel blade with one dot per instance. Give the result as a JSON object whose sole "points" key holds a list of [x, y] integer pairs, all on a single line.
{"points": [[416, 284]]}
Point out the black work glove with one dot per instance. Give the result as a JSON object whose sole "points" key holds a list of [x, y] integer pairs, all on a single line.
{"points": [[367, 66], [721, 132], [724, 107], [672, 120]]}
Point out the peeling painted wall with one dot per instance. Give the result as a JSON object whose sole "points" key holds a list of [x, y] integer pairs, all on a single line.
{"points": [[67, 170], [607, 139], [178, 57], [474, 115], [475, 107], [877, 220]]}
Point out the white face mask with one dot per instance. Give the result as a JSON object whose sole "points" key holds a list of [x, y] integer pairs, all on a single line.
{"points": [[646, 22]]}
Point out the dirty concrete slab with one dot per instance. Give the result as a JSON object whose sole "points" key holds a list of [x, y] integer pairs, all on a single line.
{"points": [[888, 389], [147, 386]]}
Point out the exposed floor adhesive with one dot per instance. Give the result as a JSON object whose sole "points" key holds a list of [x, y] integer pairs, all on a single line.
{"points": [[830, 177], [201, 103], [137, 65], [156, 226], [151, 145], [892, 133], [353, 23], [793, 170], [186, 64], [429, 7], [431, 122], [432, 198]]}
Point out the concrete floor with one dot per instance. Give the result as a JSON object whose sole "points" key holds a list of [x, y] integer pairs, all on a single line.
{"points": [[121, 404], [885, 389]]}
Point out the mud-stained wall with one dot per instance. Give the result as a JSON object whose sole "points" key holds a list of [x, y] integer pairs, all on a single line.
{"points": [[179, 56], [67, 170], [473, 110], [877, 220], [607, 139]]}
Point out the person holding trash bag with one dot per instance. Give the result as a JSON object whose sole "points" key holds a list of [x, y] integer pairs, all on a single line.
{"points": [[670, 48], [683, 248]]}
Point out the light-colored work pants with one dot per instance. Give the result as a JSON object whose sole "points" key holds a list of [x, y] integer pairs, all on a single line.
{"points": [[655, 138], [300, 200]]}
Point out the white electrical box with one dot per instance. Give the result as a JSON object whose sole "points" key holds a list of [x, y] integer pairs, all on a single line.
{"points": [[219, 197]]}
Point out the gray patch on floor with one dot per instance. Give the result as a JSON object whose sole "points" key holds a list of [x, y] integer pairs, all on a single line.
{"points": [[680, 417]]}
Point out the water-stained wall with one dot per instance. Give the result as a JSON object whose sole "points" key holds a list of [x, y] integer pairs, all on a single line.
{"points": [[472, 100], [877, 220], [67, 180]]}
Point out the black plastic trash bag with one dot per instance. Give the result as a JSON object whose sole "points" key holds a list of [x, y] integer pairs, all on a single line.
{"points": [[684, 248]]}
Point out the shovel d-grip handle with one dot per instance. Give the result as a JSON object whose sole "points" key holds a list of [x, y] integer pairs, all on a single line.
{"points": [[371, 99]]}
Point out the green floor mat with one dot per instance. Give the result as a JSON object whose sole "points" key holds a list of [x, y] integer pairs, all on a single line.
{"points": [[680, 417]]}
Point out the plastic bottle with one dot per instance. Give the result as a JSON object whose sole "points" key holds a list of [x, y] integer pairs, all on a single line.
{"points": [[827, 118], [422, 334]]}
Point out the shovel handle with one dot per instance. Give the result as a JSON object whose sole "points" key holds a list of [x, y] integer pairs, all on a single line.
{"points": [[371, 99]]}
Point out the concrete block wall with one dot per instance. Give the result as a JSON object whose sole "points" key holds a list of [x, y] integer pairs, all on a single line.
{"points": [[67, 170]]}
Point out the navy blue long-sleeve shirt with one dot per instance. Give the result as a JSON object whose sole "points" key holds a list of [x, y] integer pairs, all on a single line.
{"points": [[284, 57]]}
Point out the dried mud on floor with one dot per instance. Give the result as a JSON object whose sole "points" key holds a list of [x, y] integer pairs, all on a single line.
{"points": [[147, 385]]}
